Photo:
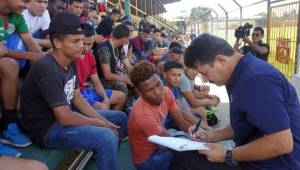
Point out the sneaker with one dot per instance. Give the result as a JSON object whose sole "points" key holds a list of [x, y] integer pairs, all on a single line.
{"points": [[13, 136], [7, 151]]}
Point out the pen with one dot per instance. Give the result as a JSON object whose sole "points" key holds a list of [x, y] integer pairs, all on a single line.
{"points": [[197, 126]]}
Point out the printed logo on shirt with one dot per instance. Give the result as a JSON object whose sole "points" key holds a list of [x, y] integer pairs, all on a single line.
{"points": [[69, 89], [11, 28]]}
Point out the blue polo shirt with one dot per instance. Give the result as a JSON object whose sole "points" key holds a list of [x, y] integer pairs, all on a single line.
{"points": [[263, 102]]}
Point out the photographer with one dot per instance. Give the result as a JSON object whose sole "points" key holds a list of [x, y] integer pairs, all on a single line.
{"points": [[256, 47]]}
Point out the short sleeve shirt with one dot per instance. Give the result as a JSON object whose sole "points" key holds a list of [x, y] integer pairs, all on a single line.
{"points": [[248, 49], [86, 67], [185, 85], [263, 102], [146, 120], [105, 54], [36, 23], [46, 86], [14, 22]]}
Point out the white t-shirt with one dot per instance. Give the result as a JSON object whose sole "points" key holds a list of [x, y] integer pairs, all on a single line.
{"points": [[36, 23]]}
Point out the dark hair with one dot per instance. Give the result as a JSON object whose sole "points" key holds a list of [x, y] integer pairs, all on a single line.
{"points": [[115, 11], [174, 44], [145, 30], [58, 36], [260, 29], [121, 31], [88, 29], [145, 15], [142, 72], [127, 22], [176, 50], [156, 30], [72, 1], [152, 26], [205, 48], [171, 64]]}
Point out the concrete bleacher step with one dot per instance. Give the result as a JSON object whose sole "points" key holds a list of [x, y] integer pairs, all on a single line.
{"points": [[51, 157]]}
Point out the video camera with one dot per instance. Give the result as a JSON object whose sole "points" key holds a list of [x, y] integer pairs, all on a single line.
{"points": [[243, 31]]}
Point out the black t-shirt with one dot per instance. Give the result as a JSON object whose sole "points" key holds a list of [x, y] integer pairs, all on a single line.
{"points": [[46, 86], [264, 57], [106, 27], [105, 55]]}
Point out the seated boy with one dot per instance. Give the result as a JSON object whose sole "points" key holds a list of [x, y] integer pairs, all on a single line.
{"points": [[172, 76], [16, 46], [195, 100], [37, 19], [97, 96], [148, 116], [55, 115]]}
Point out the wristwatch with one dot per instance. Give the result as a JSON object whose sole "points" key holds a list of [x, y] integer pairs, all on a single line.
{"points": [[229, 160]]}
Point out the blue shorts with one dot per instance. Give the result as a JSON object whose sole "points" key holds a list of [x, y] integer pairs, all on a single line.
{"points": [[92, 97], [15, 43]]}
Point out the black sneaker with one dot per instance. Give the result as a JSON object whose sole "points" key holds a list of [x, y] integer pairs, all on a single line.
{"points": [[212, 119]]}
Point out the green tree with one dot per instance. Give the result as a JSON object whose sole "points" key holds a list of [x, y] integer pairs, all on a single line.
{"points": [[196, 11]]}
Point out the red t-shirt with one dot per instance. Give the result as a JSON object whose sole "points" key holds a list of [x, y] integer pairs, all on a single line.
{"points": [[146, 120], [86, 67]]}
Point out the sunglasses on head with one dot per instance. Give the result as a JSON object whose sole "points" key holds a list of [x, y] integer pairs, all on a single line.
{"points": [[255, 34]]}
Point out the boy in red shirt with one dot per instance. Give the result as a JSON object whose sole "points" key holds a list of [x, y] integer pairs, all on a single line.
{"points": [[148, 117], [96, 96]]}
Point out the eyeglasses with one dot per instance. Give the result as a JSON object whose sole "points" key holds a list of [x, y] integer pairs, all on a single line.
{"points": [[255, 34]]}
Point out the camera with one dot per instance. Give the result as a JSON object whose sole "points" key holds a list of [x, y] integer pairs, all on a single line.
{"points": [[243, 31]]}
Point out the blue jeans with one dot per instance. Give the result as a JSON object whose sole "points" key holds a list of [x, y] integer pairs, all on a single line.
{"points": [[102, 141], [159, 160]]}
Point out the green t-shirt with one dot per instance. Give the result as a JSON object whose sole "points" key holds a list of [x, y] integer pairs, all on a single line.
{"points": [[15, 22]]}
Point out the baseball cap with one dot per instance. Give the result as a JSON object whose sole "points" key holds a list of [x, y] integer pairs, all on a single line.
{"points": [[65, 23]]}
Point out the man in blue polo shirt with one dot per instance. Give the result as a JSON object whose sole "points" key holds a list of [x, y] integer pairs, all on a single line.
{"points": [[264, 112]]}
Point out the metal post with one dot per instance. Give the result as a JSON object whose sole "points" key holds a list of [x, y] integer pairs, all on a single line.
{"points": [[136, 7], [268, 22], [217, 23], [151, 7], [145, 7], [226, 21], [241, 11], [297, 62], [127, 8]]}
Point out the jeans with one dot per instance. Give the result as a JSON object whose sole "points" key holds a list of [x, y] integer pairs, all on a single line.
{"points": [[159, 160], [102, 141]]}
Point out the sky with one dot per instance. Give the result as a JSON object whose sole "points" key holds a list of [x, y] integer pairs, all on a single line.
{"points": [[184, 6]]}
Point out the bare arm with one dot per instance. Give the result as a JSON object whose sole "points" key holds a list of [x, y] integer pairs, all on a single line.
{"points": [[212, 135], [30, 43], [179, 120], [34, 50], [194, 102], [127, 64], [45, 43], [237, 44], [83, 107], [256, 47], [271, 145], [100, 89], [108, 75], [66, 117]]}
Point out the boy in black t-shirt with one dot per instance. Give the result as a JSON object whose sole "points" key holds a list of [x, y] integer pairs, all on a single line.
{"points": [[51, 97]]}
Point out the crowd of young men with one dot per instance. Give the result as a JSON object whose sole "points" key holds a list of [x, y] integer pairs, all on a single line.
{"points": [[81, 72]]}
